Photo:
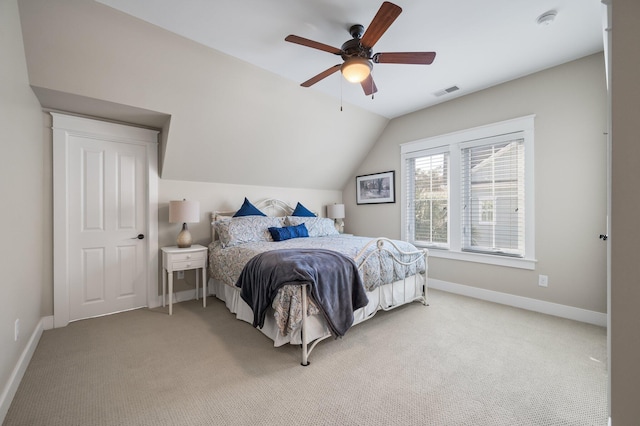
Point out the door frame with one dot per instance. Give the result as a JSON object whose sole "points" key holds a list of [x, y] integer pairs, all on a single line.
{"points": [[70, 125], [607, 24]]}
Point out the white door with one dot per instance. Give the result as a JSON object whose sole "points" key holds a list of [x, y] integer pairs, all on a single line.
{"points": [[103, 181], [107, 261]]}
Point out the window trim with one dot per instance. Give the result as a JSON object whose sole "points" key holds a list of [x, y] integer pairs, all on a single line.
{"points": [[453, 143]]}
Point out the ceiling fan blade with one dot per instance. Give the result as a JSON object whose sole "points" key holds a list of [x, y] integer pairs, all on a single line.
{"points": [[314, 44], [369, 86], [387, 13], [324, 74], [422, 58]]}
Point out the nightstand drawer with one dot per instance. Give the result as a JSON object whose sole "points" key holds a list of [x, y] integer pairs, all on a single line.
{"points": [[187, 264], [179, 257]]}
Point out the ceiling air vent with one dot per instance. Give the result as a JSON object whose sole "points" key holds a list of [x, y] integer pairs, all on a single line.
{"points": [[447, 91]]}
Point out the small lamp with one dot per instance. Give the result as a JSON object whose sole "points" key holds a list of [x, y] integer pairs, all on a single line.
{"points": [[182, 212], [336, 212]]}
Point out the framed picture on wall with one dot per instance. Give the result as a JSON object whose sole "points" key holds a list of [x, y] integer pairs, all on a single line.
{"points": [[376, 188]]}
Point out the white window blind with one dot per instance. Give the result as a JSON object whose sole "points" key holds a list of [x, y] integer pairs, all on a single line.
{"points": [[427, 213], [493, 207], [469, 195]]}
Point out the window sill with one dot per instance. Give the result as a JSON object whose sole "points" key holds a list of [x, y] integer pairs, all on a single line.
{"points": [[510, 262]]}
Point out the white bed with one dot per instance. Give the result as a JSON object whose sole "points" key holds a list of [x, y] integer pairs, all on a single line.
{"points": [[293, 318]]}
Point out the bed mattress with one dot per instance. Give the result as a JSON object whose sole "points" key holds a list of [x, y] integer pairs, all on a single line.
{"points": [[387, 283], [226, 264]]}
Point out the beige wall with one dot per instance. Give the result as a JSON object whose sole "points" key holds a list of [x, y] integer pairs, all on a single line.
{"points": [[212, 197], [570, 103], [81, 50], [226, 197], [625, 213], [210, 124], [25, 167], [24, 194]]}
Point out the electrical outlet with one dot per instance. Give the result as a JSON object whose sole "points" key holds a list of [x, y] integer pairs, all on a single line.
{"points": [[181, 275], [543, 281], [16, 330]]}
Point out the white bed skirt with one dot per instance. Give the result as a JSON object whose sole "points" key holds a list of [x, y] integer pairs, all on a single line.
{"points": [[388, 295]]}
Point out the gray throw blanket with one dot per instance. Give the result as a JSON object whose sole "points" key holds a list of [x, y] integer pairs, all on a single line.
{"points": [[335, 283]]}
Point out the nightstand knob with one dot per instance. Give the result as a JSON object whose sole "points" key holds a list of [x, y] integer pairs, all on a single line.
{"points": [[188, 264], [188, 256]]}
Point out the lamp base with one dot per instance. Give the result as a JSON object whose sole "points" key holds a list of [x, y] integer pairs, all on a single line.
{"points": [[184, 237]]}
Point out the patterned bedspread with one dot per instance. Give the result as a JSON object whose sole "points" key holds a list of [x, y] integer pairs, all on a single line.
{"points": [[226, 264], [333, 279]]}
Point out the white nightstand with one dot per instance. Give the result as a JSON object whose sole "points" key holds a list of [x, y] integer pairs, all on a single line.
{"points": [[183, 259]]}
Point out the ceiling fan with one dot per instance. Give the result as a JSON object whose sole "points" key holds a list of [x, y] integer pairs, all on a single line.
{"points": [[357, 52]]}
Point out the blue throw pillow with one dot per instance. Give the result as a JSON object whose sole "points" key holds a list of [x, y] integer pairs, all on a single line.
{"points": [[248, 209], [288, 232], [302, 211]]}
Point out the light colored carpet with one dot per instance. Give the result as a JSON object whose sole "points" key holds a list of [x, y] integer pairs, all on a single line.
{"points": [[458, 361]]}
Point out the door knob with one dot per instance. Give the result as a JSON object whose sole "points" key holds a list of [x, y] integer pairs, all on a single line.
{"points": [[139, 237]]}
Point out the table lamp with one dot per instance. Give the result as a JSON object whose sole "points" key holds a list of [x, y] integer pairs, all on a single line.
{"points": [[336, 212], [182, 212]]}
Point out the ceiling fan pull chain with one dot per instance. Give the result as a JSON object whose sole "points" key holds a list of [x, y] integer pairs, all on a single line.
{"points": [[340, 94], [372, 91]]}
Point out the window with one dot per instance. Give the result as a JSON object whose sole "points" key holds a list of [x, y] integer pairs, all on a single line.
{"points": [[469, 195], [492, 182], [430, 189]]}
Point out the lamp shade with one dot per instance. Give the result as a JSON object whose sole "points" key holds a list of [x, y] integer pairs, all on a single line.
{"points": [[184, 211], [356, 70], [335, 211]]}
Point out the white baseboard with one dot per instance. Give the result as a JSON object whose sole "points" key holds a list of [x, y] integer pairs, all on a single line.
{"points": [[47, 323], [155, 302], [11, 387], [180, 296], [549, 308]]}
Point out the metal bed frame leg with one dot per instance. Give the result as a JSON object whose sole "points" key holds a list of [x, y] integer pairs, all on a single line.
{"points": [[306, 349], [307, 346], [425, 278], [305, 353]]}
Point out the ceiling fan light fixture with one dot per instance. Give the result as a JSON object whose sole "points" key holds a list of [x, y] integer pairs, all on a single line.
{"points": [[356, 70], [357, 53]]}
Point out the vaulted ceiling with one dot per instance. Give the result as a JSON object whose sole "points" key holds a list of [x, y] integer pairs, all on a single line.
{"points": [[231, 108], [478, 43]]}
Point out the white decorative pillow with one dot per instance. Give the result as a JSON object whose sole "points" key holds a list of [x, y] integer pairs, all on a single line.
{"points": [[217, 217], [246, 229], [317, 226]]}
